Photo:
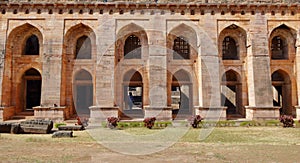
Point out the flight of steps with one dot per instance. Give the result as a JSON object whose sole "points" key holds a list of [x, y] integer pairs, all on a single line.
{"points": [[23, 115]]}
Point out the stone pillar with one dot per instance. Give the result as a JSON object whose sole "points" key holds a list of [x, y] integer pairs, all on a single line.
{"points": [[157, 64], [259, 76], [297, 60], [209, 69], [52, 62], [104, 91], [2, 52]]}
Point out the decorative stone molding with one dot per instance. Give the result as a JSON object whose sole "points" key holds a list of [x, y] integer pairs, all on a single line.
{"points": [[53, 113], [161, 113], [255, 112], [211, 113], [100, 113], [6, 112]]}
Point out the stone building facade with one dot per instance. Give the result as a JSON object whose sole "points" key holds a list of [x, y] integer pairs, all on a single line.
{"points": [[229, 59]]}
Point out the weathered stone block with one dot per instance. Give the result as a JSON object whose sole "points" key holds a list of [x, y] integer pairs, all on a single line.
{"points": [[36, 126], [71, 128], [211, 113], [60, 134], [5, 127]]}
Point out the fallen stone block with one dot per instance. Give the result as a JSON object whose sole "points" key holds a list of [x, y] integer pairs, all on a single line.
{"points": [[71, 128], [5, 127], [61, 134], [15, 128], [36, 126]]}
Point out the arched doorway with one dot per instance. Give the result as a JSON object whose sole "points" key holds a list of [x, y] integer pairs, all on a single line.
{"points": [[231, 94], [32, 82], [181, 93], [133, 94], [282, 92], [83, 93]]}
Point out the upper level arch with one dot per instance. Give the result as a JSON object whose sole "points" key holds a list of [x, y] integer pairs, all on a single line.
{"points": [[232, 43], [182, 41], [24, 40], [132, 42], [282, 42], [79, 42]]}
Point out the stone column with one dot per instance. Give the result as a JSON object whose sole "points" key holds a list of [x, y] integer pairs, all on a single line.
{"points": [[2, 51], [259, 76], [52, 62], [104, 68], [209, 69], [157, 64], [297, 60]]}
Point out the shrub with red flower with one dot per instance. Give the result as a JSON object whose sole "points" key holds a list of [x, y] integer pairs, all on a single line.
{"points": [[112, 122], [287, 120], [195, 120], [149, 122]]}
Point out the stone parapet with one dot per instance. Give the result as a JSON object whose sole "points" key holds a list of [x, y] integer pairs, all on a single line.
{"points": [[101, 113], [6, 112], [53, 113], [161, 113], [211, 113], [258, 112]]}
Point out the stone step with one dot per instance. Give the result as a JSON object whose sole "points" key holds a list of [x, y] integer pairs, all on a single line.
{"points": [[23, 115]]}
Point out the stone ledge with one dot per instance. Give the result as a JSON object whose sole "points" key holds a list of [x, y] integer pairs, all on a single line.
{"points": [[261, 112], [59, 113]]}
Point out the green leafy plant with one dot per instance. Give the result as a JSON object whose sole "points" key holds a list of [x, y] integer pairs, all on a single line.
{"points": [[149, 122], [56, 125]]}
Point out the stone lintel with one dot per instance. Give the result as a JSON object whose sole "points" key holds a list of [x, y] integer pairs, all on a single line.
{"points": [[262, 112]]}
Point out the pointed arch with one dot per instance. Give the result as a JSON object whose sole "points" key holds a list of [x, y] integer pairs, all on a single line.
{"points": [[183, 40], [282, 42], [132, 42], [232, 42], [85, 35], [83, 92], [282, 91]]}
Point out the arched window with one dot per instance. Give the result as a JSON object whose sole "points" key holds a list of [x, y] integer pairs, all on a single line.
{"points": [[32, 46], [83, 48], [181, 48], [132, 48], [229, 49], [278, 49]]}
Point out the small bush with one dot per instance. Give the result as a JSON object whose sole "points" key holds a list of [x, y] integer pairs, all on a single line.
{"points": [[112, 122], [287, 120], [195, 120], [149, 122], [56, 125]]}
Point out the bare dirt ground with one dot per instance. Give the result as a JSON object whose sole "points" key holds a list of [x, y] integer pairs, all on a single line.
{"points": [[229, 144]]}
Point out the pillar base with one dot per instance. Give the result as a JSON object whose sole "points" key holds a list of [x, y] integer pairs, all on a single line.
{"points": [[101, 113], [297, 112], [256, 112], [6, 112], [59, 113], [161, 113], [211, 113]]}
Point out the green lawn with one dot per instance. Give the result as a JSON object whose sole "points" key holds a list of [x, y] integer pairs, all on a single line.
{"points": [[223, 144]]}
